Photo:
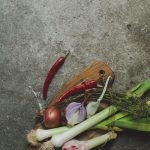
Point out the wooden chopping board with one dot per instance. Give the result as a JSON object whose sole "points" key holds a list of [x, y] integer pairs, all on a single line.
{"points": [[91, 72]]}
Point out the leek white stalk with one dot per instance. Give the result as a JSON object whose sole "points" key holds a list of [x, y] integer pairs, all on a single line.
{"points": [[60, 139], [41, 134], [37, 135], [92, 143]]}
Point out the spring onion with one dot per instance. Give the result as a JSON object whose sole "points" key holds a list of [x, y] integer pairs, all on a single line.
{"points": [[41, 134], [37, 135]]}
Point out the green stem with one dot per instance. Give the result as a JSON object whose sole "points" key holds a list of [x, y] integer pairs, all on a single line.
{"points": [[140, 89], [108, 128], [137, 91], [121, 120], [128, 123], [111, 120]]}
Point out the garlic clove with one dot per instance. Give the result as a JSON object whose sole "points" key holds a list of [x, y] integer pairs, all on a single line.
{"points": [[92, 108]]}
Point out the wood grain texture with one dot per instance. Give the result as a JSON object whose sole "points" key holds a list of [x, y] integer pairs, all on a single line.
{"points": [[91, 72]]}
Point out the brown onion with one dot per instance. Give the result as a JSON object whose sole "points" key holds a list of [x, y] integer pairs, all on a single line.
{"points": [[51, 117]]}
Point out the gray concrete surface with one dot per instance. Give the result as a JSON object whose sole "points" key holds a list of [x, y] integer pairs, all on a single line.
{"points": [[35, 33]]}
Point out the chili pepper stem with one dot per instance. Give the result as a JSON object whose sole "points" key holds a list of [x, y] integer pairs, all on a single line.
{"points": [[67, 54]]}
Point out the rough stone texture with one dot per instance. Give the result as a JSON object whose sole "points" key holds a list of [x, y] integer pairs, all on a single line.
{"points": [[35, 33]]}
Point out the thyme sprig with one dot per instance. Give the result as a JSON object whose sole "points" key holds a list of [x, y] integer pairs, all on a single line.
{"points": [[135, 106]]}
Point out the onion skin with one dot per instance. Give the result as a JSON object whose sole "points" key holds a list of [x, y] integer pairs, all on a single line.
{"points": [[51, 117]]}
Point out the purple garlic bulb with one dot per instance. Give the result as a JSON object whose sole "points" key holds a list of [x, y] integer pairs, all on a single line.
{"points": [[75, 113], [75, 145]]}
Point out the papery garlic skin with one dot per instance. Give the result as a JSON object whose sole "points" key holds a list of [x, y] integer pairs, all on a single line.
{"points": [[75, 113], [89, 144], [75, 145], [92, 108]]}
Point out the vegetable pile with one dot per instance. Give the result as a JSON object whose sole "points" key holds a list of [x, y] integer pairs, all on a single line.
{"points": [[80, 110]]}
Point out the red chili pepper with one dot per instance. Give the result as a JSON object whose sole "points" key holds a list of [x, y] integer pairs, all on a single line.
{"points": [[78, 89], [51, 74]]}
